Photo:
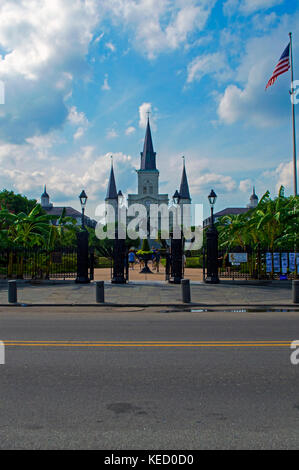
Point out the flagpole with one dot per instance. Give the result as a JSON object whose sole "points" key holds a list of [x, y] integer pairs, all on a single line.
{"points": [[294, 117]]}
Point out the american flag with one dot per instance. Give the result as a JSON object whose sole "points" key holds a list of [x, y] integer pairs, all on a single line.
{"points": [[282, 66]]}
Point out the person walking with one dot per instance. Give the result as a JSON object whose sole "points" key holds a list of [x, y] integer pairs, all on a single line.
{"points": [[157, 260], [132, 259]]}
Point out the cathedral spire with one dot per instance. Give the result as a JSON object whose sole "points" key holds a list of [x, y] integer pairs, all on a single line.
{"points": [[184, 188], [148, 156], [111, 190]]}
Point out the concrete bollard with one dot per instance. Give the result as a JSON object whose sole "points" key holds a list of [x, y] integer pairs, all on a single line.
{"points": [[12, 292], [186, 294], [100, 292], [295, 291]]}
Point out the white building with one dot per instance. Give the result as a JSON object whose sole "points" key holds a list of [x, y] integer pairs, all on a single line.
{"points": [[50, 209], [148, 181]]}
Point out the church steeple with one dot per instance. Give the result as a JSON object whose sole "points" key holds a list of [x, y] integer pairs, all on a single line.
{"points": [[184, 188], [148, 156], [111, 190], [45, 199]]}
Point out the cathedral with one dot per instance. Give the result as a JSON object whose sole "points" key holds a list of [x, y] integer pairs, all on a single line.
{"points": [[148, 181]]}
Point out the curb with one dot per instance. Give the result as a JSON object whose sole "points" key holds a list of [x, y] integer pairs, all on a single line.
{"points": [[295, 307]]}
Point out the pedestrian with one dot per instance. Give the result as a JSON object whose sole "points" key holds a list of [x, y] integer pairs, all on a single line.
{"points": [[157, 260], [132, 259]]}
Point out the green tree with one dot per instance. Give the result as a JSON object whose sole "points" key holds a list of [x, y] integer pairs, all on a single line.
{"points": [[17, 203]]}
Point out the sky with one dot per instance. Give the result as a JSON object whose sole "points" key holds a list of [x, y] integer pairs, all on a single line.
{"points": [[80, 77]]}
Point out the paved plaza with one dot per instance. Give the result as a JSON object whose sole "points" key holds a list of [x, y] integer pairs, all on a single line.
{"points": [[151, 293]]}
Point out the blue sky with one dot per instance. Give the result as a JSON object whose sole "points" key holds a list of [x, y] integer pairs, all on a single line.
{"points": [[80, 76]]}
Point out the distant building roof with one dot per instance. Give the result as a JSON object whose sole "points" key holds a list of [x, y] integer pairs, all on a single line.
{"points": [[148, 156], [184, 188], [45, 194], [69, 211], [111, 190], [227, 211], [253, 195], [231, 211]]}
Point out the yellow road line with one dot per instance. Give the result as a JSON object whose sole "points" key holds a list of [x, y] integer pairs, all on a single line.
{"points": [[176, 344], [147, 342]]}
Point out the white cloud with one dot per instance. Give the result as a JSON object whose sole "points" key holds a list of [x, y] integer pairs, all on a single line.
{"points": [[247, 7], [245, 185], [262, 22], [65, 177], [45, 44], [99, 38], [162, 25], [285, 175], [208, 180], [78, 119], [209, 64], [79, 133], [130, 130], [110, 46], [106, 86], [144, 109], [246, 99], [111, 134], [251, 6]]}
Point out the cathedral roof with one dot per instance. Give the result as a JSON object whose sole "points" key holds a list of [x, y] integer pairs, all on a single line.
{"points": [[148, 156], [111, 190], [184, 188], [45, 194], [253, 195]]}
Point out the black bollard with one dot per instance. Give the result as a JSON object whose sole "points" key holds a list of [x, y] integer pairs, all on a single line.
{"points": [[12, 292], [186, 294], [295, 292], [100, 292]]}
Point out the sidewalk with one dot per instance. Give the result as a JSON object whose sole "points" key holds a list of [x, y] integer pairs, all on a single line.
{"points": [[151, 293]]}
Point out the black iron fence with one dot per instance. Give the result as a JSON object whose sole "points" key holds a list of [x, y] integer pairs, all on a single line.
{"points": [[259, 264], [38, 264]]}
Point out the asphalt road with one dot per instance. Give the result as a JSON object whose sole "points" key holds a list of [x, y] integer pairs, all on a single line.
{"points": [[117, 379]]}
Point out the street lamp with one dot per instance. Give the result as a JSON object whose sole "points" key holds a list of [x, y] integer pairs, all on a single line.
{"points": [[83, 200], [82, 246], [212, 245], [212, 200]]}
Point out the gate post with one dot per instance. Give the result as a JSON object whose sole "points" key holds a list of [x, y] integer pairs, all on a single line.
{"points": [[176, 260], [91, 264], [212, 256], [119, 253], [82, 257]]}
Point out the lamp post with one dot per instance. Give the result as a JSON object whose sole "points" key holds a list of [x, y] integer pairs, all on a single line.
{"points": [[119, 250], [83, 200], [176, 250], [212, 245], [82, 245]]}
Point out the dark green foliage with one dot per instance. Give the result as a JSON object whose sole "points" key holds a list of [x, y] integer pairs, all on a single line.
{"points": [[17, 203]]}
